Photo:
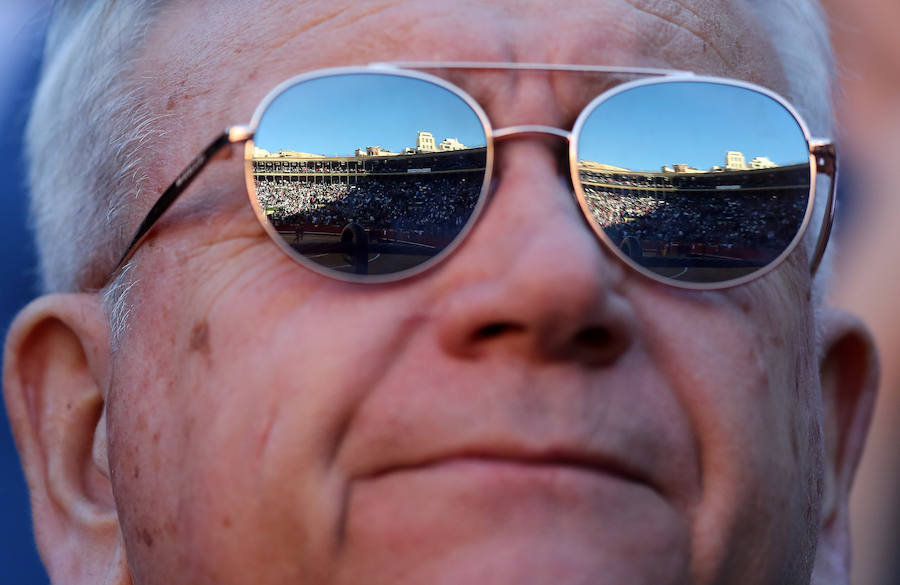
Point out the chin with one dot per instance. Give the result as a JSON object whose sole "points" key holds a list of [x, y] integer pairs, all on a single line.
{"points": [[486, 523], [528, 559]]}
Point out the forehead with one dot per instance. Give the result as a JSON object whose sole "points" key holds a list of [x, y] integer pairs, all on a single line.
{"points": [[219, 63]]}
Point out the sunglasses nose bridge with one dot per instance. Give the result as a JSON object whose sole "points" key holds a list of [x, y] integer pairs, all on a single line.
{"points": [[536, 130], [501, 134]]}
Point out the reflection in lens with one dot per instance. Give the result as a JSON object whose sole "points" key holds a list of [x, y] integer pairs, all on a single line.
{"points": [[368, 173], [695, 181]]}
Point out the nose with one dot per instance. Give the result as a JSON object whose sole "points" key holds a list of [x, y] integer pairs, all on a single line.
{"points": [[532, 279]]}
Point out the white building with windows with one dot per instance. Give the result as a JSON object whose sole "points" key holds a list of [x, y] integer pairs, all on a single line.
{"points": [[451, 144], [425, 142], [735, 161], [761, 162], [373, 151]]}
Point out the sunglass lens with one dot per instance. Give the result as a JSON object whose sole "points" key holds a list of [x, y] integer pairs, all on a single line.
{"points": [[368, 173], [694, 181]]}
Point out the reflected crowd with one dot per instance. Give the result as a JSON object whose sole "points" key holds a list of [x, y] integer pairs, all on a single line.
{"points": [[748, 221], [416, 204]]}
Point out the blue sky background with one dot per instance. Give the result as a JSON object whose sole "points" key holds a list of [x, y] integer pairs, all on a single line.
{"points": [[336, 115], [695, 123], [21, 35]]}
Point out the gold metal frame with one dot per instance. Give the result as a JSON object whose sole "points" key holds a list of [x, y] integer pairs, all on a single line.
{"points": [[821, 152]]}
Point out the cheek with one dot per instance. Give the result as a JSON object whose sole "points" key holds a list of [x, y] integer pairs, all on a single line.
{"points": [[224, 440], [742, 367], [212, 454]]}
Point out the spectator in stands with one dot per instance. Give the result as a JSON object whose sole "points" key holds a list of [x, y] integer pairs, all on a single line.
{"points": [[529, 411]]}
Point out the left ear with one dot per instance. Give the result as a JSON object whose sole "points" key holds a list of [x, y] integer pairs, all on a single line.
{"points": [[849, 377]]}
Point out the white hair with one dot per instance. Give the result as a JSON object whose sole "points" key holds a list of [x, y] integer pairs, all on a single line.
{"points": [[799, 33], [83, 139], [88, 123]]}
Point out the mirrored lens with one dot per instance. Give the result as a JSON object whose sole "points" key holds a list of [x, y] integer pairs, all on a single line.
{"points": [[700, 182], [368, 173]]}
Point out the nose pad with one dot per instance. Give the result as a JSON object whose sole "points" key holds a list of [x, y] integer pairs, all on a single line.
{"points": [[562, 166], [532, 279]]}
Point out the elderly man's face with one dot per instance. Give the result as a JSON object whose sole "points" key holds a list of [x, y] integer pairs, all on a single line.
{"points": [[528, 412]]}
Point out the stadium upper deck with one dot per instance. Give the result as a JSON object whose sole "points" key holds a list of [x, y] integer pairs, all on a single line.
{"points": [[349, 168]]}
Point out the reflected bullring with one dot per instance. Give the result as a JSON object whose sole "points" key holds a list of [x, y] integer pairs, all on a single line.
{"points": [[703, 225], [376, 212]]}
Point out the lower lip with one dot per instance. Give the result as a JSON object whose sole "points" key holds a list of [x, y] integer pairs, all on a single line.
{"points": [[469, 499], [509, 477]]}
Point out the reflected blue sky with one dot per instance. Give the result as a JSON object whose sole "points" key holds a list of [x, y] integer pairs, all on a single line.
{"points": [[641, 129], [338, 114], [695, 123]]}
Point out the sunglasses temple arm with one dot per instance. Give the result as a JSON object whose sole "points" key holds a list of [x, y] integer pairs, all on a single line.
{"points": [[826, 163], [231, 135]]}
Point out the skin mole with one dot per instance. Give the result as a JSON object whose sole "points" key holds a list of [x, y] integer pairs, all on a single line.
{"points": [[200, 337]]}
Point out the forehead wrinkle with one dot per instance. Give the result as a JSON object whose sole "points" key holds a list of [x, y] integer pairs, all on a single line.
{"points": [[728, 29], [670, 18], [390, 20], [340, 17], [688, 7]]}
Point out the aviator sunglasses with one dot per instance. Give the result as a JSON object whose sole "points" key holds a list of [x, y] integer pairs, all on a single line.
{"points": [[377, 173]]}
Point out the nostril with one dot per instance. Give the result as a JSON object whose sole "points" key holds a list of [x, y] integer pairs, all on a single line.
{"points": [[495, 330], [600, 346], [593, 337]]}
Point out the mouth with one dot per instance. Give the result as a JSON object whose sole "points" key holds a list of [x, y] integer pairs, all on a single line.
{"points": [[550, 464], [481, 496]]}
